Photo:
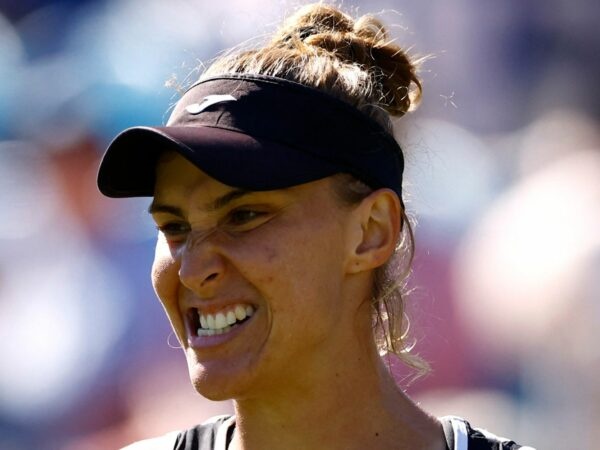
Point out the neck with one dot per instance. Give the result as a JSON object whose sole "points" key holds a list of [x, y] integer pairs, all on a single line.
{"points": [[356, 406]]}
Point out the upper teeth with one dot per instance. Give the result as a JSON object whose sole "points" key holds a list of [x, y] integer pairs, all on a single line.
{"points": [[223, 319]]}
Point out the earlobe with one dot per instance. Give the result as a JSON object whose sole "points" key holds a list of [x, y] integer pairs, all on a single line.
{"points": [[380, 222]]}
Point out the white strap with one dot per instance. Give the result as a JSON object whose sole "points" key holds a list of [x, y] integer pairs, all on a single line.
{"points": [[159, 443], [222, 432], [461, 439]]}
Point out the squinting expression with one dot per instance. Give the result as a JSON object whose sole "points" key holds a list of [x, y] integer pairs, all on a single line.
{"points": [[252, 282]]}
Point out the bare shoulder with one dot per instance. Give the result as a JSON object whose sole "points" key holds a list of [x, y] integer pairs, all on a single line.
{"points": [[164, 442]]}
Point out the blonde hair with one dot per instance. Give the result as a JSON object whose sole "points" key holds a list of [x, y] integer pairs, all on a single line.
{"points": [[354, 60]]}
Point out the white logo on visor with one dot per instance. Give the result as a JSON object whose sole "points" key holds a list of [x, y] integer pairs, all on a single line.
{"points": [[197, 108]]}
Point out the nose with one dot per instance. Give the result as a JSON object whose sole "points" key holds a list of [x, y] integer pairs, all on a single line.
{"points": [[202, 267]]}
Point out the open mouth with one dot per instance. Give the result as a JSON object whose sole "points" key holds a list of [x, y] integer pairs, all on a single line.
{"points": [[210, 324]]}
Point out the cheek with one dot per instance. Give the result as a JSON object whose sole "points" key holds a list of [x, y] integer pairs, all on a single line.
{"points": [[165, 273], [297, 260]]}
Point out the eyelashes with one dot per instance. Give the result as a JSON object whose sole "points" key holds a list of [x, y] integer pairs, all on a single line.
{"points": [[172, 229], [237, 220], [242, 216]]}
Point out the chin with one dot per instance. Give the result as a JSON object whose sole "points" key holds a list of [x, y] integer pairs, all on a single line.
{"points": [[218, 383], [210, 393]]}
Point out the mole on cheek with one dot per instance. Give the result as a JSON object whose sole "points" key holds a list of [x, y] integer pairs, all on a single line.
{"points": [[271, 254], [265, 281]]}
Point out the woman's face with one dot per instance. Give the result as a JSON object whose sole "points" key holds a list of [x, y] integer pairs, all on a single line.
{"points": [[255, 284]]}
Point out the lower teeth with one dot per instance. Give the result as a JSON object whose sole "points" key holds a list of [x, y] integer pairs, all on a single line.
{"points": [[211, 332]]}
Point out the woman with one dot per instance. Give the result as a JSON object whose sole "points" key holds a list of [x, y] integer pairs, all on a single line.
{"points": [[277, 193]]}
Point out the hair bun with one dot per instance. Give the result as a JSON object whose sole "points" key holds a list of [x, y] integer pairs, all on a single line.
{"points": [[364, 43], [314, 19]]}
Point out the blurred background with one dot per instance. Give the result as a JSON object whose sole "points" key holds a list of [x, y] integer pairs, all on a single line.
{"points": [[503, 176]]}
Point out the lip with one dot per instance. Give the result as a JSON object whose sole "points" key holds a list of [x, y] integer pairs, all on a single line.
{"points": [[206, 342]]}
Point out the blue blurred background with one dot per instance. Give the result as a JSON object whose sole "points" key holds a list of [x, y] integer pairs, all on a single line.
{"points": [[503, 175]]}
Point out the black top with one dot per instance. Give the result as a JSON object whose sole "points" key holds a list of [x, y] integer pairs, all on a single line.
{"points": [[216, 434]]}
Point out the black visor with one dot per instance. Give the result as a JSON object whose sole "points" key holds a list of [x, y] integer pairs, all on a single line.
{"points": [[257, 133]]}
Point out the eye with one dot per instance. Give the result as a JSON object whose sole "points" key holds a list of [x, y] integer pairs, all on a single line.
{"points": [[243, 216], [174, 231]]}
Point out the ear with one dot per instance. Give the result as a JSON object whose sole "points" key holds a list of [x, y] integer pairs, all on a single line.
{"points": [[376, 230]]}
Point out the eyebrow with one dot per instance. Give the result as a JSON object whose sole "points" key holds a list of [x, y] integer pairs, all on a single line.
{"points": [[214, 205], [224, 199]]}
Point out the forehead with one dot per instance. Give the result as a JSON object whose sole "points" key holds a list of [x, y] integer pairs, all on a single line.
{"points": [[174, 171]]}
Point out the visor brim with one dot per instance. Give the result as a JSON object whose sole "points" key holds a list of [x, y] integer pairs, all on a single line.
{"points": [[128, 168]]}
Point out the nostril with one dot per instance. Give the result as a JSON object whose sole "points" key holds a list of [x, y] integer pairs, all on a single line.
{"points": [[211, 277]]}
